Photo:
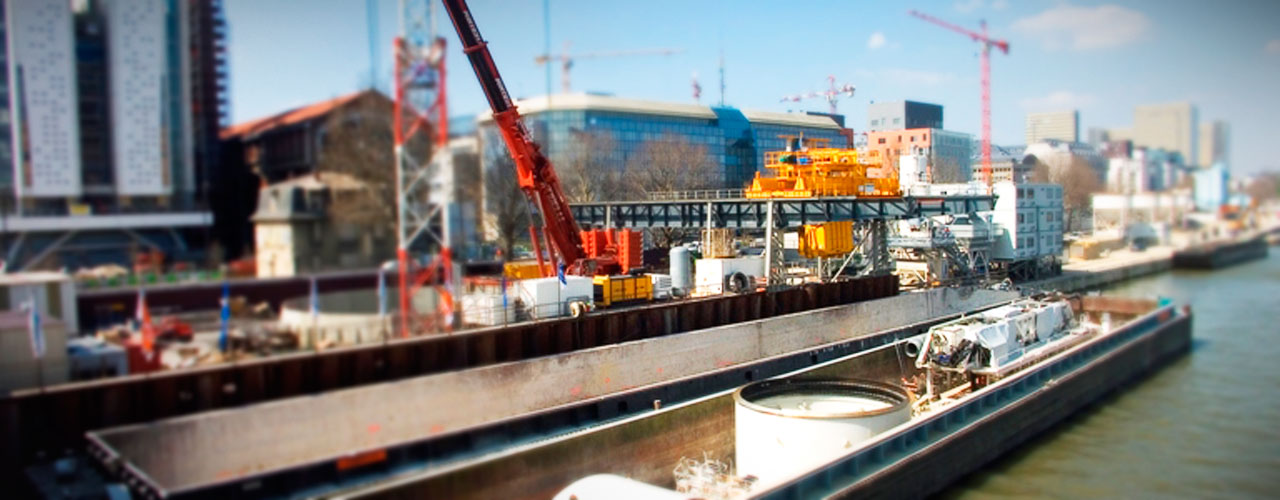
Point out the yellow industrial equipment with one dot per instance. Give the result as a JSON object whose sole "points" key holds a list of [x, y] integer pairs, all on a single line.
{"points": [[818, 172], [829, 239], [611, 290], [521, 270]]}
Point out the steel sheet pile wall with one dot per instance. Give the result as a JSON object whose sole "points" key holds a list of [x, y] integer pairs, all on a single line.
{"points": [[58, 417]]}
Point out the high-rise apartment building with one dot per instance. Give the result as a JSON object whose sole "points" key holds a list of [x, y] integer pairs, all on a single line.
{"points": [[1056, 125], [1215, 143], [1172, 127], [100, 128], [902, 115]]}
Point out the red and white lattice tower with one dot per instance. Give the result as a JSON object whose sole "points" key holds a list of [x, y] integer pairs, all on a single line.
{"points": [[422, 214]]}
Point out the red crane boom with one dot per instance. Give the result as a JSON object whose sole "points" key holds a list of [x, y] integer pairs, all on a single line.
{"points": [[987, 43], [534, 172]]}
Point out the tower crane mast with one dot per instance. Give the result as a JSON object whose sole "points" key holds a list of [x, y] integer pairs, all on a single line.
{"points": [[987, 43]]}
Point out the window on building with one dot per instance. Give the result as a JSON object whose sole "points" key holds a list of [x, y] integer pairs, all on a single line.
{"points": [[924, 137], [881, 140], [897, 121]]}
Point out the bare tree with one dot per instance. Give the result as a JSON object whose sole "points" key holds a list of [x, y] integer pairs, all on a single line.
{"points": [[1079, 183], [589, 171], [1263, 188], [506, 207], [357, 141], [672, 163]]}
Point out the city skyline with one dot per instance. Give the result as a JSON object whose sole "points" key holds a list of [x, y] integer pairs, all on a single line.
{"points": [[1100, 58]]}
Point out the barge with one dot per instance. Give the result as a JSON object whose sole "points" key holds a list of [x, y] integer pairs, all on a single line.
{"points": [[1221, 254], [977, 424]]}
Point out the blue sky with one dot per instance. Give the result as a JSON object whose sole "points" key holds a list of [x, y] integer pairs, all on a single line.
{"points": [[1102, 58]]}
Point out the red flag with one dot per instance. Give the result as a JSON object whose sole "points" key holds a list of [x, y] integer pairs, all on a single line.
{"points": [[143, 315]]}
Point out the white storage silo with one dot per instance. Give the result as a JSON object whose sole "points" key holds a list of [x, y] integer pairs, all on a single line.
{"points": [[785, 427]]}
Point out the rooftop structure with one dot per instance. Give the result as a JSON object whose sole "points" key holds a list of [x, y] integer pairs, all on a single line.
{"points": [[1059, 155], [296, 232], [882, 116]]}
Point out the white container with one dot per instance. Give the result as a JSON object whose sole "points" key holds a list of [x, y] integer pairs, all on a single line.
{"points": [[710, 274], [661, 285], [486, 309], [785, 427], [681, 270], [548, 298], [612, 487]]}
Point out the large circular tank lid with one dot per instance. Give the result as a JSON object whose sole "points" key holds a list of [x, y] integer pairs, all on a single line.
{"points": [[826, 399]]}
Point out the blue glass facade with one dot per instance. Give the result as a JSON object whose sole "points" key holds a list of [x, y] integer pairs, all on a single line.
{"points": [[732, 142]]}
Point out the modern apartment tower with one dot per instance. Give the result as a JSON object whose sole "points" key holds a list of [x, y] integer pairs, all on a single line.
{"points": [[110, 124]]}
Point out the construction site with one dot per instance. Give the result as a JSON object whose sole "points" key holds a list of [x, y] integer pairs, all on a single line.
{"points": [[844, 316]]}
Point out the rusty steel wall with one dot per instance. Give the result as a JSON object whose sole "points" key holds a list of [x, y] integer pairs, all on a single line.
{"points": [[57, 417]]}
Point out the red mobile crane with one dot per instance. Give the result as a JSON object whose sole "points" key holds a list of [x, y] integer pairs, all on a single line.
{"points": [[987, 43], [534, 172]]}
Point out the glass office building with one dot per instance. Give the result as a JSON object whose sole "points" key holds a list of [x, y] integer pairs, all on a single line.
{"points": [[615, 130]]}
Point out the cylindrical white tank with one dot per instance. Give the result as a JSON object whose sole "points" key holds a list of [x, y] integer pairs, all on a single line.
{"points": [[786, 427], [611, 487], [681, 270]]}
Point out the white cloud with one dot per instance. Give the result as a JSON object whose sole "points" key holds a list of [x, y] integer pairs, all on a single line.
{"points": [[967, 6], [876, 41], [1059, 100], [1084, 28], [1273, 47]]}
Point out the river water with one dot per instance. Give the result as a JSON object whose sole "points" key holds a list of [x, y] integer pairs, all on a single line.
{"points": [[1206, 426]]}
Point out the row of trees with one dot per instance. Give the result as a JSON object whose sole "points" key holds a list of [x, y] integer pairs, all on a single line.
{"points": [[589, 172], [1079, 182]]}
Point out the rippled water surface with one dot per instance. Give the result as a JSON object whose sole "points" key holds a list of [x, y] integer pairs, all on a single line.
{"points": [[1206, 426]]}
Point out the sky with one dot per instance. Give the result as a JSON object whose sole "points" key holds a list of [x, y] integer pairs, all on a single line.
{"points": [[1102, 58]]}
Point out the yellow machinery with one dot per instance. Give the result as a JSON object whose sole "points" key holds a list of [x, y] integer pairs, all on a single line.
{"points": [[818, 172], [522, 269], [829, 239], [611, 290]]}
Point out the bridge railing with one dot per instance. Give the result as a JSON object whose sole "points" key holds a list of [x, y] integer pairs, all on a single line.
{"points": [[697, 194]]}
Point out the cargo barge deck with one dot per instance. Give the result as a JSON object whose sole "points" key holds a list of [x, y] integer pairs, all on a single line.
{"points": [[908, 461]]}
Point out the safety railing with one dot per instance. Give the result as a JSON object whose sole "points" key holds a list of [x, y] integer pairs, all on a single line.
{"points": [[697, 194]]}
